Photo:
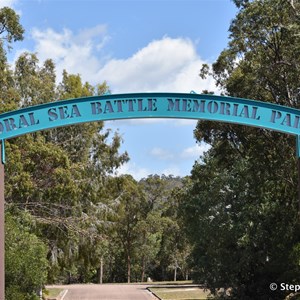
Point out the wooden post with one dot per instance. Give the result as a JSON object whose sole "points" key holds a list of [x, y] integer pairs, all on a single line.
{"points": [[2, 232]]}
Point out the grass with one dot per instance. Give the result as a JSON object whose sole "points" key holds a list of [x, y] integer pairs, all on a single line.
{"points": [[51, 293], [179, 293], [178, 282]]}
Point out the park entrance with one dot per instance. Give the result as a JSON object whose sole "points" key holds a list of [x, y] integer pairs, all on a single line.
{"points": [[140, 105]]}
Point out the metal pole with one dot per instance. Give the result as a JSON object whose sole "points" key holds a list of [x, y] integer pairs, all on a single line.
{"points": [[2, 232], [298, 165], [299, 186]]}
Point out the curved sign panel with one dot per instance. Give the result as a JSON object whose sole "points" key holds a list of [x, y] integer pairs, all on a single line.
{"points": [[150, 105]]}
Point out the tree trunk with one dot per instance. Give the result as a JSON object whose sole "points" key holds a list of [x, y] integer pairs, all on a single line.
{"points": [[143, 269], [101, 271], [128, 268], [187, 275], [175, 270]]}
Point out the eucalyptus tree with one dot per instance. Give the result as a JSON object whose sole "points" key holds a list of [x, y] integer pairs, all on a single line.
{"points": [[10, 31], [57, 175], [242, 207], [129, 212], [151, 226]]}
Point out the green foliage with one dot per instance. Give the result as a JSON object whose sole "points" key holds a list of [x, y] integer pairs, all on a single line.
{"points": [[25, 260], [161, 230], [35, 84], [128, 213], [241, 207], [61, 188], [262, 59], [10, 28], [235, 216], [57, 175]]}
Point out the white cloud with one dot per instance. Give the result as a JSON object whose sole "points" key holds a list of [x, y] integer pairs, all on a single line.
{"points": [[166, 65], [172, 170], [137, 122], [8, 3], [139, 172], [132, 169], [195, 151], [186, 122], [162, 154], [74, 52]]}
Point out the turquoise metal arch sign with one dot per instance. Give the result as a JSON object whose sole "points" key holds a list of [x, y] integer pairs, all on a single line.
{"points": [[140, 105], [150, 105]]}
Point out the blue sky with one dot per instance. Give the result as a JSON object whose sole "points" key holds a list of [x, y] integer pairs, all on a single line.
{"points": [[136, 46]]}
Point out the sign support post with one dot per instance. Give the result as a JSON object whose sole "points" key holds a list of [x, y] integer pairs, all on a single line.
{"points": [[298, 163], [2, 218]]}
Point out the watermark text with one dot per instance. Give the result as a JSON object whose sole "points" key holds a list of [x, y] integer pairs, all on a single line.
{"points": [[285, 287]]}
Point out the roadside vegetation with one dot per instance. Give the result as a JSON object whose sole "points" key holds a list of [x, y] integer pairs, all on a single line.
{"points": [[180, 293], [51, 293], [232, 225]]}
